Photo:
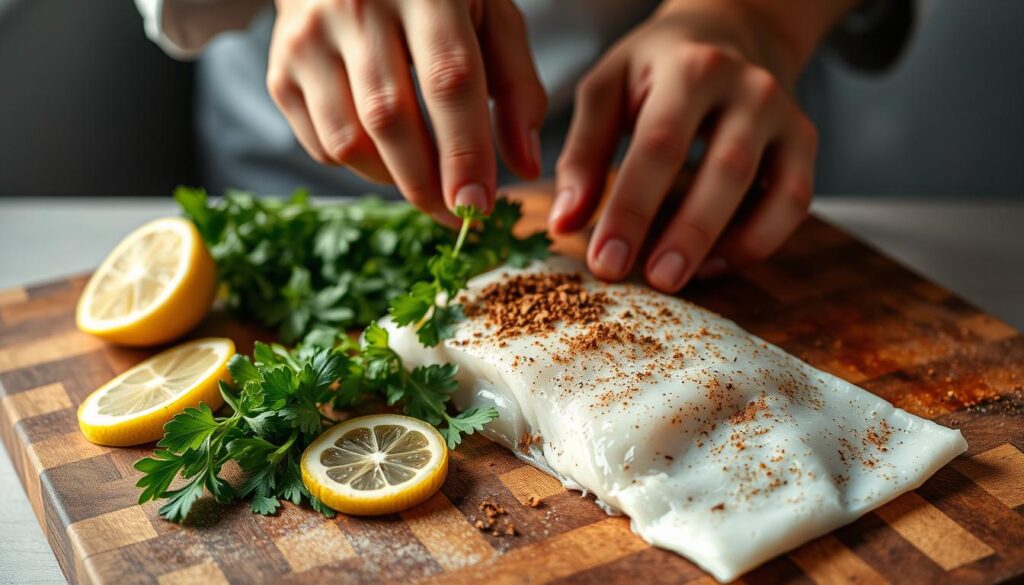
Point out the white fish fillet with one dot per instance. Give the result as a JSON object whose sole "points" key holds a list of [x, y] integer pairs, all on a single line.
{"points": [[729, 452]]}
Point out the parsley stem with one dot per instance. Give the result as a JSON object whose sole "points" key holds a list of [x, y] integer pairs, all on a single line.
{"points": [[463, 232], [275, 457]]}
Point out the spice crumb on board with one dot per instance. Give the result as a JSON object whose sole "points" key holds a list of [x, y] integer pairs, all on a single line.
{"points": [[534, 501], [491, 522]]}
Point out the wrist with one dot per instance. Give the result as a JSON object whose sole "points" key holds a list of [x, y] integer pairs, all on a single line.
{"points": [[796, 27], [778, 35]]}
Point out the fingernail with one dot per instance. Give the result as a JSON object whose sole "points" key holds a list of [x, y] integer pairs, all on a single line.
{"points": [[565, 201], [613, 256], [667, 273], [712, 268], [535, 149], [473, 194]]}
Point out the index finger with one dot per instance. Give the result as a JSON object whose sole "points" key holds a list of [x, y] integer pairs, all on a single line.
{"points": [[450, 70]]}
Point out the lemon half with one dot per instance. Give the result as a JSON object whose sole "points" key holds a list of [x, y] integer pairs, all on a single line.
{"points": [[156, 285], [378, 464], [133, 408]]}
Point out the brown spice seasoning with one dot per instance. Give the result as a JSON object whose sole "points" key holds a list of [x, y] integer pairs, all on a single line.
{"points": [[879, 438], [749, 412], [492, 511], [532, 303], [602, 333]]}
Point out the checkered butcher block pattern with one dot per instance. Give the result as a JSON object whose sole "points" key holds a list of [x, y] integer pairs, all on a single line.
{"points": [[826, 297]]}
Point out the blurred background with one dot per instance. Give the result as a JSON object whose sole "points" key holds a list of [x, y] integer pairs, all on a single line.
{"points": [[919, 103], [89, 106]]}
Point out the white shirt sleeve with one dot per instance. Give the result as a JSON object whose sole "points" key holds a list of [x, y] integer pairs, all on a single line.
{"points": [[182, 28]]}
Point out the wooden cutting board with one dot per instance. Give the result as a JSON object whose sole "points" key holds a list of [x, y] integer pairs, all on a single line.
{"points": [[825, 297]]}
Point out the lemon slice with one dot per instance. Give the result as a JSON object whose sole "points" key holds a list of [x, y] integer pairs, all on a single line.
{"points": [[132, 408], [157, 284], [378, 464]]}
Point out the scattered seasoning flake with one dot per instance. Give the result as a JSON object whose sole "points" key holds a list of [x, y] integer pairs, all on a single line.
{"points": [[880, 438], [492, 511], [750, 412], [718, 507], [534, 502]]}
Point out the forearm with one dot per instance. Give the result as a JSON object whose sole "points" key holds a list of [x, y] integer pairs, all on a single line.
{"points": [[784, 32]]}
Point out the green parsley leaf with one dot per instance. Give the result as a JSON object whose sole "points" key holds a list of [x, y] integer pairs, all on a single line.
{"points": [[441, 325], [279, 385], [264, 506], [179, 501], [413, 307], [220, 488], [291, 486], [320, 506], [262, 482], [322, 370], [427, 389], [469, 212], [466, 423], [242, 371], [158, 473], [304, 416], [250, 452], [189, 429]]}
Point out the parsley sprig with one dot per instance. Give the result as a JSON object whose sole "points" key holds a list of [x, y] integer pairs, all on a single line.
{"points": [[313, 272], [280, 399], [275, 413], [423, 391], [427, 303]]}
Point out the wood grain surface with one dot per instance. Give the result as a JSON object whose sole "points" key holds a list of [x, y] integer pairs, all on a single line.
{"points": [[825, 297]]}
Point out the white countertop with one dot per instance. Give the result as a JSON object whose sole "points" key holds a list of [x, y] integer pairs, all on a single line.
{"points": [[973, 248]]}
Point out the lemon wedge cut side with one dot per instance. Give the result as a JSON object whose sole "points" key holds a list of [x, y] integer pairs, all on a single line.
{"points": [[133, 408], [156, 285], [377, 464]]}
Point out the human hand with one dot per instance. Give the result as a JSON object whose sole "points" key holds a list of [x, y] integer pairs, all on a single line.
{"points": [[339, 70], [698, 67]]}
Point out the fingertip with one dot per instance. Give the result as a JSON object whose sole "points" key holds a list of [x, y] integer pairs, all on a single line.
{"points": [[474, 195], [610, 259], [667, 271], [561, 211], [578, 195]]}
